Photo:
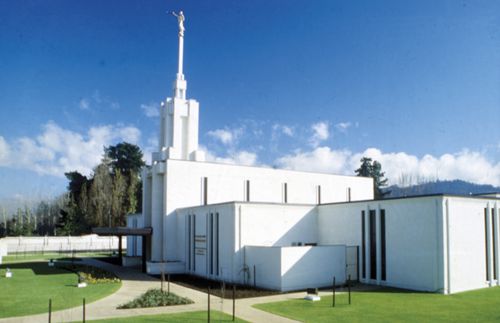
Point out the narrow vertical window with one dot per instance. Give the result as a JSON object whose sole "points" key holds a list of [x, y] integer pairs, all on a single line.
{"points": [[194, 242], [363, 245], [217, 243], [285, 192], [348, 194], [247, 190], [494, 240], [382, 244], [211, 243], [318, 194], [373, 245], [486, 244], [189, 242], [205, 190]]}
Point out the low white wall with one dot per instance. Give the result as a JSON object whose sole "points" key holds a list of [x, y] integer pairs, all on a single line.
{"points": [[267, 262], [295, 268], [310, 267], [60, 244]]}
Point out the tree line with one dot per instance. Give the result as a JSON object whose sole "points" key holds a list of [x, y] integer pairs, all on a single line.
{"points": [[104, 198]]}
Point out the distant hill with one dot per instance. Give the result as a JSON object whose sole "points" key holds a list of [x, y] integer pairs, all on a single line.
{"points": [[457, 187]]}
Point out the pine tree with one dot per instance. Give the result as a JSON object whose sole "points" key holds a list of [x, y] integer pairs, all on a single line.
{"points": [[373, 169]]}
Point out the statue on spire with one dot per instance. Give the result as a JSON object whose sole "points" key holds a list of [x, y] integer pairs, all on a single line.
{"points": [[180, 19]]}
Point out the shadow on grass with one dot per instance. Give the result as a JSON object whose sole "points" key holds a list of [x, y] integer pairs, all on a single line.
{"points": [[38, 268]]}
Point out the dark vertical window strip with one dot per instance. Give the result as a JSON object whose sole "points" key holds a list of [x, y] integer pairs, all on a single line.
{"points": [[349, 194], [494, 240], [189, 242], [217, 244], [194, 242], [247, 197], [285, 192], [373, 245], [486, 243], [205, 190], [211, 243], [382, 244], [363, 245], [319, 194]]}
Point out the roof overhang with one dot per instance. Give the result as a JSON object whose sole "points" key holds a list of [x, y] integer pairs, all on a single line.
{"points": [[122, 231]]}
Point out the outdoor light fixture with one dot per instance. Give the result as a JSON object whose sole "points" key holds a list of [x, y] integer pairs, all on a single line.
{"points": [[8, 273], [51, 263]]}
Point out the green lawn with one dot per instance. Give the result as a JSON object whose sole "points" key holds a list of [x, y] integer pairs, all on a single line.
{"points": [[390, 305], [50, 255], [33, 283], [200, 316]]}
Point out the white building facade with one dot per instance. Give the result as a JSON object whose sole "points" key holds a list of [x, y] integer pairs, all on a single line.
{"points": [[289, 230]]}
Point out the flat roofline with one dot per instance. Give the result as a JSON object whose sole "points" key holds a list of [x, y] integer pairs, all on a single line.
{"points": [[487, 193], [269, 168], [245, 202], [416, 197]]}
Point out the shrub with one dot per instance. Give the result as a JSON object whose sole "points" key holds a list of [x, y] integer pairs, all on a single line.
{"points": [[92, 275], [156, 297]]}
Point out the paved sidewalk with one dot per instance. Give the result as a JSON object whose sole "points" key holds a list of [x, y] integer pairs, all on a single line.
{"points": [[135, 283]]}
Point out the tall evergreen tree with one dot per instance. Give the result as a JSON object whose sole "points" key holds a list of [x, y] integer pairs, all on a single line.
{"points": [[373, 169]]}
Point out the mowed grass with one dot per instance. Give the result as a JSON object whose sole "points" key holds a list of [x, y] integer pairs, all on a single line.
{"points": [[391, 305], [199, 316], [23, 257], [33, 283]]}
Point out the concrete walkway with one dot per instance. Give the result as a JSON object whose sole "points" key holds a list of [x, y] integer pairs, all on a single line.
{"points": [[135, 283]]}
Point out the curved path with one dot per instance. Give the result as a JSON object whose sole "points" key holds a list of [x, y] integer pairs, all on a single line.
{"points": [[135, 283]]}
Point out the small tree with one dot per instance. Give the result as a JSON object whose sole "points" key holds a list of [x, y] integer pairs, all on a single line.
{"points": [[373, 169]]}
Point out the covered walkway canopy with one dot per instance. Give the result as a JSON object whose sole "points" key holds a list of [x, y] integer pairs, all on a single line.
{"points": [[145, 233]]}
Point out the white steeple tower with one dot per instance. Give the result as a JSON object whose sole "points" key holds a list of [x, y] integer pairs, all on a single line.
{"points": [[179, 116]]}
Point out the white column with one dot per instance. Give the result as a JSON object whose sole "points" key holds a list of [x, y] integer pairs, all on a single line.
{"points": [[379, 246], [367, 244], [181, 54], [157, 214], [489, 249]]}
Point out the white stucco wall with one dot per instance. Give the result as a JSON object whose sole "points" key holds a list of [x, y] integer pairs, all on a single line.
{"points": [[134, 243], [295, 268], [267, 262], [184, 188], [413, 243], [242, 224], [467, 243]]}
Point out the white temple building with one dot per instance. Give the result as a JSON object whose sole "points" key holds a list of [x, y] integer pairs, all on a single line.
{"points": [[290, 230]]}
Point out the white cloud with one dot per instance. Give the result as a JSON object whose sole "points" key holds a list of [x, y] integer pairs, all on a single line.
{"points": [[84, 104], [57, 150], [320, 133], [4, 151], [226, 136], [465, 165], [343, 126], [240, 157], [321, 159], [151, 110], [282, 129], [96, 100]]}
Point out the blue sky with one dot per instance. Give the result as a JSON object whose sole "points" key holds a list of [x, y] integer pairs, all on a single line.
{"points": [[295, 84]]}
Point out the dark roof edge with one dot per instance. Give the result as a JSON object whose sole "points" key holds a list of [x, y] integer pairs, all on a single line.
{"points": [[418, 196]]}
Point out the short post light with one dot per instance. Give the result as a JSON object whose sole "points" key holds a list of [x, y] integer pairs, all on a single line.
{"points": [[81, 282], [8, 273]]}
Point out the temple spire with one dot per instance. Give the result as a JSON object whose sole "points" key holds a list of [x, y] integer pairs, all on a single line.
{"points": [[180, 83]]}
